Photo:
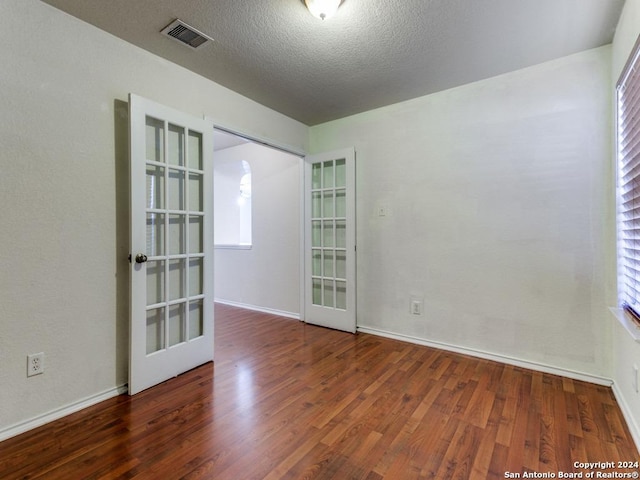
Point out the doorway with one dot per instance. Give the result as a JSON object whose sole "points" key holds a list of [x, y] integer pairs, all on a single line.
{"points": [[257, 225]]}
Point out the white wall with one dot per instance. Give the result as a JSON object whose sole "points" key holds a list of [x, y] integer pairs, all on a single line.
{"points": [[268, 275], [626, 350], [64, 197], [495, 195], [232, 219]]}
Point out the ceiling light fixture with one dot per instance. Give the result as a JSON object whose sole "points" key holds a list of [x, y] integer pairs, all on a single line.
{"points": [[323, 9]]}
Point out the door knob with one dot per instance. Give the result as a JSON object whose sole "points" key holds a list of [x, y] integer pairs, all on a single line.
{"points": [[141, 258]]}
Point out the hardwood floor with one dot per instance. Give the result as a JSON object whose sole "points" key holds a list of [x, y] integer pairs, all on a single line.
{"points": [[285, 400]]}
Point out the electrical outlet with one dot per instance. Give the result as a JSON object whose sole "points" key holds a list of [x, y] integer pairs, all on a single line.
{"points": [[416, 307], [35, 364], [416, 304]]}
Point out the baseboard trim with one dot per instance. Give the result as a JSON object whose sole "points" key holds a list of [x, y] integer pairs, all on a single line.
{"points": [[38, 421], [575, 375], [628, 416], [256, 308], [26, 425]]}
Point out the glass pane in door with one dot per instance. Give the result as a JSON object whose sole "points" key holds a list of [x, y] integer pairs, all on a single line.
{"points": [[328, 293], [177, 323], [341, 203], [155, 186], [155, 330], [316, 204], [176, 189], [316, 233], [341, 295], [341, 234], [196, 184], [196, 236], [176, 234], [196, 319], [327, 233], [341, 173], [316, 178], [327, 268], [155, 282], [196, 275], [341, 264], [155, 234], [317, 291], [327, 204], [327, 174], [176, 279], [195, 150], [176, 145], [155, 140]]}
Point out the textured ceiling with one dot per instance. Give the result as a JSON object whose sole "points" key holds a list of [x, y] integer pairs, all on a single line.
{"points": [[372, 53]]}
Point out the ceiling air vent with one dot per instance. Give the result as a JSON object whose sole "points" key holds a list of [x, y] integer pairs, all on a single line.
{"points": [[185, 34]]}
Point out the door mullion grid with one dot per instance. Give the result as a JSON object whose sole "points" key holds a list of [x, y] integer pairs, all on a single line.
{"points": [[167, 202], [187, 243], [170, 303], [322, 191], [320, 246], [332, 220], [322, 237], [334, 225]]}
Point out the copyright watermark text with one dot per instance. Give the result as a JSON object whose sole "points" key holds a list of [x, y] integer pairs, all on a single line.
{"points": [[586, 470]]}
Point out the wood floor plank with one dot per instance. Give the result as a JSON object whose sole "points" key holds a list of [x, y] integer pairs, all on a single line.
{"points": [[487, 441], [286, 400], [523, 428]]}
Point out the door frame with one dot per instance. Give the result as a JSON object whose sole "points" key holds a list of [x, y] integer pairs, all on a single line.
{"points": [[291, 150], [302, 155]]}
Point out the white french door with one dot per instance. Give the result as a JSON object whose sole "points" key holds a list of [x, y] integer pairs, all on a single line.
{"points": [[330, 240], [171, 324]]}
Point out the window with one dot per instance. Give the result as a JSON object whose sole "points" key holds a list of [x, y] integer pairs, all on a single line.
{"points": [[232, 203], [628, 184]]}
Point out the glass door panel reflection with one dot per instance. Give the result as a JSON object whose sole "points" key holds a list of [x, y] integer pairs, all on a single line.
{"points": [[155, 186], [196, 200], [196, 319], [177, 323], [176, 189], [154, 140], [195, 150], [196, 229], [176, 145], [155, 281], [176, 234], [155, 330], [196, 276], [155, 234]]}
